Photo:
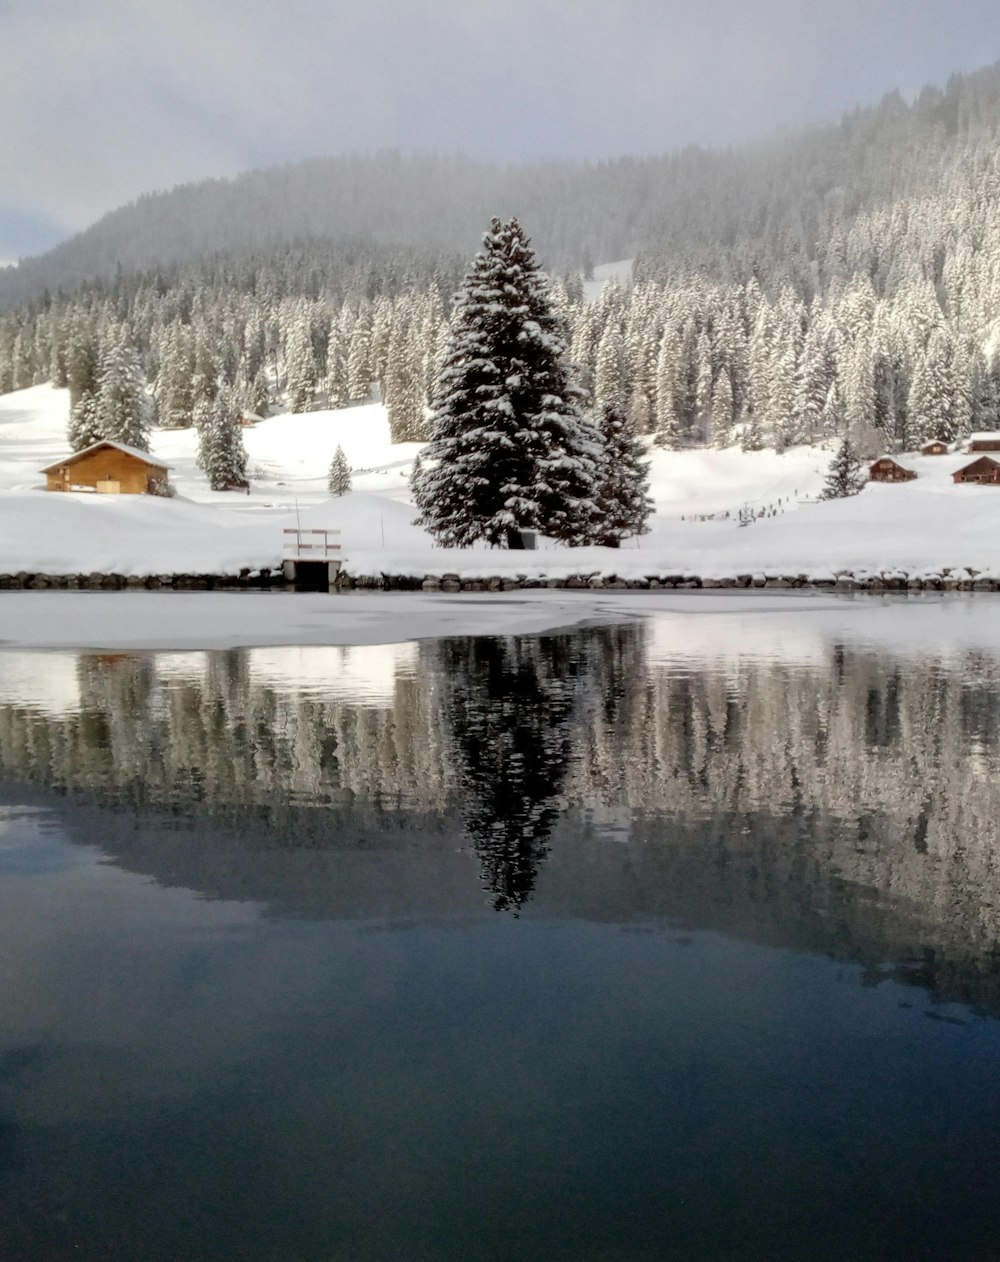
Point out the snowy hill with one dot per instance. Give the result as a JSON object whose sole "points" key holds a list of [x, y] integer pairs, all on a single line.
{"points": [[698, 494]]}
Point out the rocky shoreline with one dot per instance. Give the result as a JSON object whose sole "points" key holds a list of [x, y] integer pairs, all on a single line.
{"points": [[947, 579]]}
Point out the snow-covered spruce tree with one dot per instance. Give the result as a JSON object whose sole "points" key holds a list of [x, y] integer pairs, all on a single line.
{"points": [[83, 427], [622, 495], [510, 448], [81, 362], [340, 474], [846, 476], [300, 364], [122, 413], [221, 453]]}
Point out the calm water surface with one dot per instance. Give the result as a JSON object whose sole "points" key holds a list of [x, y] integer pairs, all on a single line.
{"points": [[570, 947]]}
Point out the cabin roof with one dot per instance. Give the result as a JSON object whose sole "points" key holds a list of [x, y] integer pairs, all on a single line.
{"points": [[979, 460], [134, 452], [891, 459], [986, 435]]}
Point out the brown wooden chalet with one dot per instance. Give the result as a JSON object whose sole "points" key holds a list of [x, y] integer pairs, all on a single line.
{"points": [[885, 469], [935, 448], [110, 469], [983, 442], [985, 471]]}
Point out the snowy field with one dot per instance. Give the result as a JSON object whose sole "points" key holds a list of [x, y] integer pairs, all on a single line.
{"points": [[922, 525]]}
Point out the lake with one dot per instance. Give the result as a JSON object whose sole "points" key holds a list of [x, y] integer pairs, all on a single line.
{"points": [[597, 945]]}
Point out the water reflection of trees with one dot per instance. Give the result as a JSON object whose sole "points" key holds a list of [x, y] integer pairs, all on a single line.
{"points": [[863, 775], [514, 708]]}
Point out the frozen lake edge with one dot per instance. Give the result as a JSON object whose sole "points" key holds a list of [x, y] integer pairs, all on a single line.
{"points": [[734, 621]]}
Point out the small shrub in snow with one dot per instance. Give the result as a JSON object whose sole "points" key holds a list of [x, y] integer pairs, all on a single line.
{"points": [[340, 474]]}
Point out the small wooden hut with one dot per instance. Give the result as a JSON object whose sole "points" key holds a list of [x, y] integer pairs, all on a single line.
{"points": [[935, 448], [984, 471], [108, 468], [885, 469], [983, 442]]}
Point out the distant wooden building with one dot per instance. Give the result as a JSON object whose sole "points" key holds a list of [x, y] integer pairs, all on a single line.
{"points": [[984, 471], [885, 469], [109, 469], [983, 442], [935, 448]]}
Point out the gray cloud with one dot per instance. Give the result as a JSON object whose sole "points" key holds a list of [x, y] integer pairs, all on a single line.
{"points": [[105, 99]]}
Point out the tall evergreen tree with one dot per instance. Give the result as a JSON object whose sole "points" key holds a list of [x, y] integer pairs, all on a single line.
{"points": [[221, 453], [300, 363], [623, 501], [121, 398], [510, 447], [83, 426]]}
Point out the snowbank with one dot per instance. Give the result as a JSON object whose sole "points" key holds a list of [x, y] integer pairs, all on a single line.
{"points": [[915, 527]]}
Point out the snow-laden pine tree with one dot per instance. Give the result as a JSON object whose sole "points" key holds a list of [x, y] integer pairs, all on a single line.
{"points": [[846, 475], [404, 387], [221, 453], [359, 367], [622, 495], [339, 482], [510, 447], [300, 363], [121, 397], [173, 381], [83, 427], [722, 409], [81, 362]]}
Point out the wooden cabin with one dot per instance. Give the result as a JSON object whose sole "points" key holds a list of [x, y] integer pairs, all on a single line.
{"points": [[935, 448], [983, 442], [885, 469], [109, 469], [984, 471]]}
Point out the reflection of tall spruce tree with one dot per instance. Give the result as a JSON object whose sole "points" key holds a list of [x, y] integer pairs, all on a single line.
{"points": [[509, 708], [510, 447]]}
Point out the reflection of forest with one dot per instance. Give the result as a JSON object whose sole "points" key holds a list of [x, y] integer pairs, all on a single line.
{"points": [[850, 809]]}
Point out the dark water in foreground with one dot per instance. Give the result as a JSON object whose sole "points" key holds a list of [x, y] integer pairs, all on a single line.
{"points": [[561, 948]]}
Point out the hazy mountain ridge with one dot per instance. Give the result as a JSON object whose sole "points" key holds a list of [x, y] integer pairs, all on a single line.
{"points": [[718, 211]]}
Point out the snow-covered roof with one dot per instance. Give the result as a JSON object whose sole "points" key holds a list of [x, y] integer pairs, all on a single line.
{"points": [[981, 457], [986, 435], [144, 456]]}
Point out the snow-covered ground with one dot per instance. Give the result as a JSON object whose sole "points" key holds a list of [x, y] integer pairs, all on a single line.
{"points": [[922, 525], [604, 273]]}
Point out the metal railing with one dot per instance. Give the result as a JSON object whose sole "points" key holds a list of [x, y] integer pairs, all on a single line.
{"points": [[314, 543]]}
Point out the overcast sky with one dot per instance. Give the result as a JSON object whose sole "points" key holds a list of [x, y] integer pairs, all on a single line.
{"points": [[104, 99]]}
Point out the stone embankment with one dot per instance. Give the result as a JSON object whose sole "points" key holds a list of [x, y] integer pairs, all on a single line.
{"points": [[958, 579]]}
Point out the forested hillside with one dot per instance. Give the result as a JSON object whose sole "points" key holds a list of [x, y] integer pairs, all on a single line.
{"points": [[839, 280]]}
